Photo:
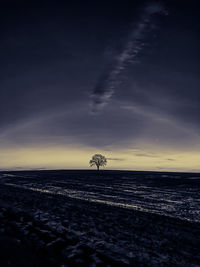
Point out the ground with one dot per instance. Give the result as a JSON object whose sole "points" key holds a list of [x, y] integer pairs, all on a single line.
{"points": [[82, 218]]}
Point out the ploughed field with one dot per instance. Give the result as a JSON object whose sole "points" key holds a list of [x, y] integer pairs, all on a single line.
{"points": [[105, 218]]}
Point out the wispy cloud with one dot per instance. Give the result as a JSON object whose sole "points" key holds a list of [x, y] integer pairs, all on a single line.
{"points": [[118, 159], [110, 79], [145, 155]]}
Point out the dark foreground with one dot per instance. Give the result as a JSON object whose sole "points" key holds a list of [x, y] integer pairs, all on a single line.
{"points": [[85, 218]]}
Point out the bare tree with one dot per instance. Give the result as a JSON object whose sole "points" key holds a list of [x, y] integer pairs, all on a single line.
{"points": [[98, 160]]}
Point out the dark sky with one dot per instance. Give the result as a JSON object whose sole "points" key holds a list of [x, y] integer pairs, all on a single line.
{"points": [[100, 74]]}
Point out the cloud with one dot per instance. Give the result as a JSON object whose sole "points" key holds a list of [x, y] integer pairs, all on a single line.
{"points": [[145, 155], [117, 159], [110, 79]]}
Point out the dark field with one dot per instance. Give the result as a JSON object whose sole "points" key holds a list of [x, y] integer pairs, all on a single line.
{"points": [[106, 218]]}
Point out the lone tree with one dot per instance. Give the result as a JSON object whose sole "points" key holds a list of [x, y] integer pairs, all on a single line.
{"points": [[98, 160]]}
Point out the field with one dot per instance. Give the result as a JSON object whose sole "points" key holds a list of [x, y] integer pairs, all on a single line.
{"points": [[105, 218]]}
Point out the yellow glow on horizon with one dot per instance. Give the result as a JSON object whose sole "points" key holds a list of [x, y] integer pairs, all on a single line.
{"points": [[74, 158]]}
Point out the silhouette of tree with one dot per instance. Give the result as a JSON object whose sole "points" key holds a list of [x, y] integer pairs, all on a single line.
{"points": [[98, 160]]}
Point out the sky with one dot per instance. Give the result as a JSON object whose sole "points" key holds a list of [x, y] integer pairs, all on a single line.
{"points": [[120, 78]]}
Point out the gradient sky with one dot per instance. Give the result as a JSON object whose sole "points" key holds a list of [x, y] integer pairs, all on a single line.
{"points": [[119, 78]]}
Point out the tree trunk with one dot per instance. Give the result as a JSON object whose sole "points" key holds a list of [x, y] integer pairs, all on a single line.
{"points": [[97, 167]]}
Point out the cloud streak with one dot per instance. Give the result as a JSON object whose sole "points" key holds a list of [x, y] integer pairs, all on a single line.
{"points": [[116, 159], [135, 43]]}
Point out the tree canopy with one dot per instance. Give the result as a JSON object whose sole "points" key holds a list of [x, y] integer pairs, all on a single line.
{"points": [[98, 160]]}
